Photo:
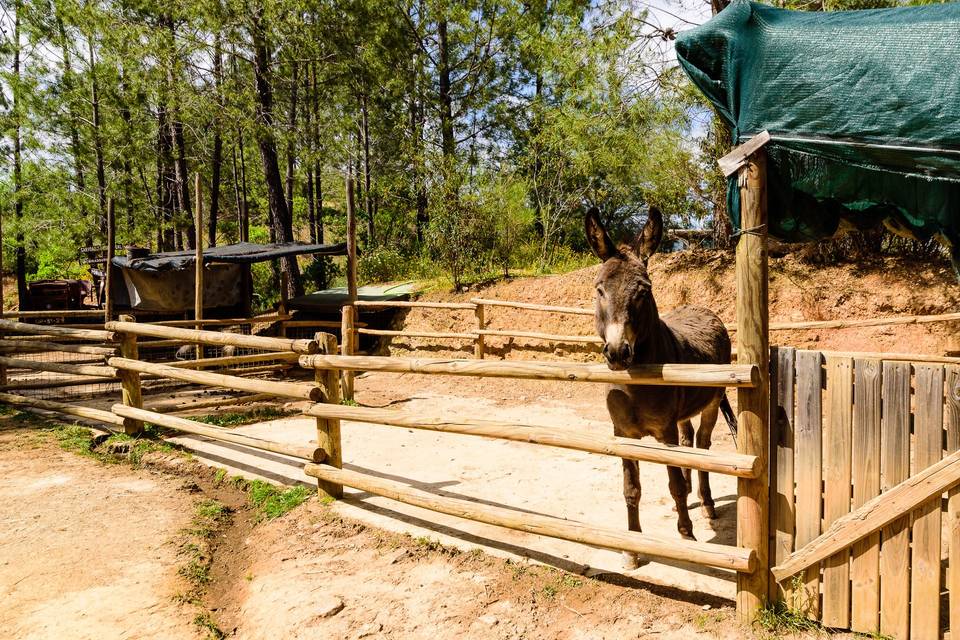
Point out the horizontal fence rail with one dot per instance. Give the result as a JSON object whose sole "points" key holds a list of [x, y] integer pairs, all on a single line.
{"points": [[703, 459], [284, 389], [693, 375], [11, 326], [703, 553], [197, 428], [578, 311], [215, 337], [59, 367], [21, 346], [225, 361], [61, 313], [77, 411]]}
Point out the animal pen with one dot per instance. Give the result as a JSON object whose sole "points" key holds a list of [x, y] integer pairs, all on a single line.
{"points": [[848, 497]]}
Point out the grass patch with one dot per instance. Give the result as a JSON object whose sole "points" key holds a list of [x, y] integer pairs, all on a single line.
{"points": [[350, 402], [74, 438], [782, 618], [205, 622], [208, 517], [238, 418], [219, 476], [272, 502]]}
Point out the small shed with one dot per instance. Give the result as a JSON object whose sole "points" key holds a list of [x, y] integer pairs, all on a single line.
{"points": [[164, 283]]}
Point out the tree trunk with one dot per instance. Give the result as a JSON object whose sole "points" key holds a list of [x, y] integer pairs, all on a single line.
{"points": [[166, 200], [367, 201], [317, 166], [311, 146], [180, 161], [216, 161], [448, 143], [292, 128], [22, 295], [282, 220], [127, 162], [68, 86], [97, 140]]}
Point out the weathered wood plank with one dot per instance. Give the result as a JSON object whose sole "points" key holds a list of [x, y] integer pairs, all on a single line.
{"points": [[865, 562], [882, 511], [836, 477], [782, 514], [952, 398], [925, 559], [808, 470], [894, 469]]}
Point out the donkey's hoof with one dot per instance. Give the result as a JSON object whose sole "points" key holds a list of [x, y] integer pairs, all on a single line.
{"points": [[687, 534], [633, 561], [709, 512]]}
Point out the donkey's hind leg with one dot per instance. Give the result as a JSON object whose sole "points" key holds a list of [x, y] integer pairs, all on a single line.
{"points": [[686, 440], [631, 495], [708, 419]]}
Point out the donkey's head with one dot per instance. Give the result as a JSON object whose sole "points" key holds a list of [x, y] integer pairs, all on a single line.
{"points": [[625, 309]]}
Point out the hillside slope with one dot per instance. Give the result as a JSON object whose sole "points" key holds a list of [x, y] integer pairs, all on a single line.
{"points": [[798, 291]]}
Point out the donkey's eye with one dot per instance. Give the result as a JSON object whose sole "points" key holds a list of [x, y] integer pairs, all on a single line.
{"points": [[599, 292]]}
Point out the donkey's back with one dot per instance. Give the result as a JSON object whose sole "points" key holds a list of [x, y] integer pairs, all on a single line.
{"points": [[699, 336]]}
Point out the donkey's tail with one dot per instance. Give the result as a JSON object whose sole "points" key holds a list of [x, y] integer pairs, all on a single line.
{"points": [[728, 415]]}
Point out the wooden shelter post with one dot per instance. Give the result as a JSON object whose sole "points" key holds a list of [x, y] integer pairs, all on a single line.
{"points": [[348, 313], [753, 347], [198, 267]]}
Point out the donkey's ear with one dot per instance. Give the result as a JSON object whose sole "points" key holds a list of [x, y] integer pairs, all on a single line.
{"points": [[597, 236], [649, 239]]}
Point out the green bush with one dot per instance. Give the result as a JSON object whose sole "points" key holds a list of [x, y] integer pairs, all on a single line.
{"points": [[383, 264]]}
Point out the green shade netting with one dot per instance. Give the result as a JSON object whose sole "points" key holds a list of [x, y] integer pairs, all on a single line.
{"points": [[863, 108]]}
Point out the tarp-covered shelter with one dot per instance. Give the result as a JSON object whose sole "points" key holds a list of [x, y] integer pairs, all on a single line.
{"points": [[863, 108], [165, 282]]}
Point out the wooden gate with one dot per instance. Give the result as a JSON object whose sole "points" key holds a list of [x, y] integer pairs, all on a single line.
{"points": [[862, 453]]}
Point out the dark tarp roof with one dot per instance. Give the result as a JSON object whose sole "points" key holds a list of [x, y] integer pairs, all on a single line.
{"points": [[240, 253], [863, 108]]}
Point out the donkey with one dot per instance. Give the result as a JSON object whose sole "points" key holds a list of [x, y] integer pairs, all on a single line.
{"points": [[634, 333]]}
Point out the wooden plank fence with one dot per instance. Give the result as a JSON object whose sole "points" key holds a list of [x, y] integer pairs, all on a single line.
{"points": [[863, 452]]}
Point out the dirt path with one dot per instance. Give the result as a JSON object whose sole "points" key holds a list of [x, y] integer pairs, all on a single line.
{"points": [[87, 548]]}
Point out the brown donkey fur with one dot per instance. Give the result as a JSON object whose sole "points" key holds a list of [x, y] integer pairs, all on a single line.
{"points": [[634, 333]]}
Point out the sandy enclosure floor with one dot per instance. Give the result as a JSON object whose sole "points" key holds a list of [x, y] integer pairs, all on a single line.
{"points": [[547, 480], [87, 548]]}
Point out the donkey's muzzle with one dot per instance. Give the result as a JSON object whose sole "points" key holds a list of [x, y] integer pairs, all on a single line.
{"points": [[618, 357]]}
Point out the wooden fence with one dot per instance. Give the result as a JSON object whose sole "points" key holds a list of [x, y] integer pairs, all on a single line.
{"points": [[481, 306], [858, 477]]}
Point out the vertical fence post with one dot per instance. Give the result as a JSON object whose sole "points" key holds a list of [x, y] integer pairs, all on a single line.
{"points": [[328, 430], [130, 380], [282, 306], [198, 267], [752, 403], [348, 345], [478, 347], [108, 265]]}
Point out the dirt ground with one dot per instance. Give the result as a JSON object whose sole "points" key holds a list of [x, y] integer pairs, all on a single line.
{"points": [[87, 548], [91, 551]]}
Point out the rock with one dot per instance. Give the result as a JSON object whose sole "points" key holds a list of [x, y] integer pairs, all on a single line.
{"points": [[370, 629], [328, 606], [706, 607], [490, 621]]}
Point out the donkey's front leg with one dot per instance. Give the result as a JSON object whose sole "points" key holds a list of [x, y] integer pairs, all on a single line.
{"points": [[631, 495], [678, 489]]}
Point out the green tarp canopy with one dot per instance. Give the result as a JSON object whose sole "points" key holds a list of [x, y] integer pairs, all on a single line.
{"points": [[863, 108]]}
